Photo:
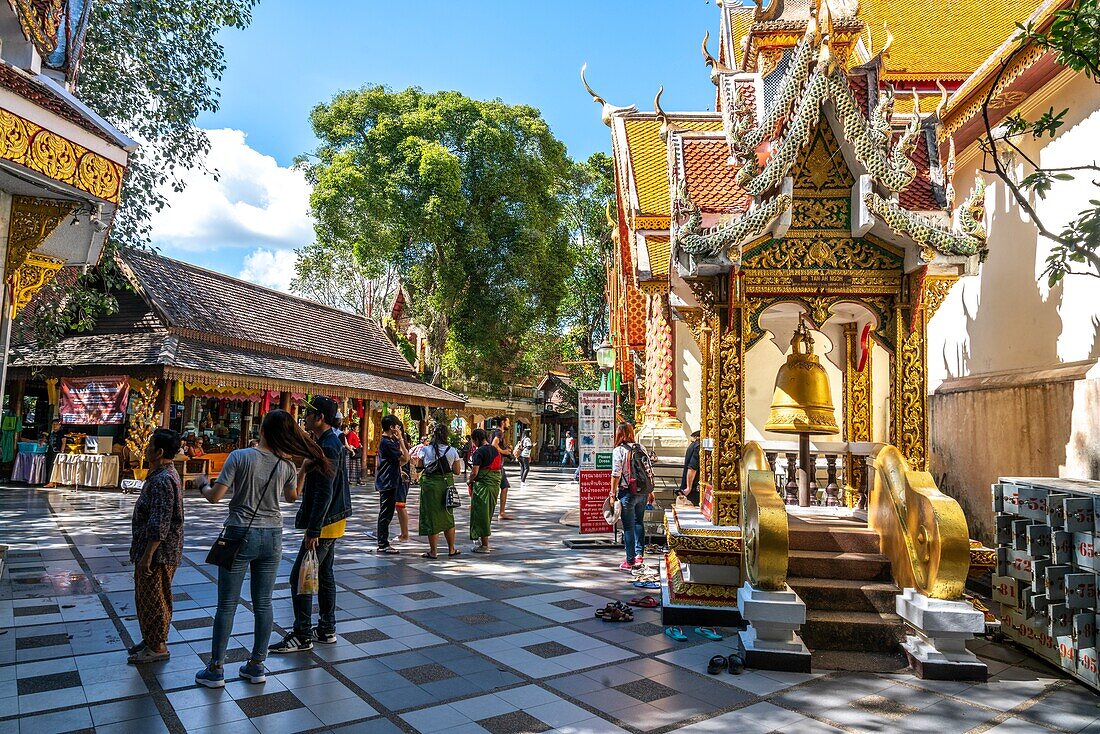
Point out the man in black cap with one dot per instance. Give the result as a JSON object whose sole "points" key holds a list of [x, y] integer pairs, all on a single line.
{"points": [[689, 482], [326, 505]]}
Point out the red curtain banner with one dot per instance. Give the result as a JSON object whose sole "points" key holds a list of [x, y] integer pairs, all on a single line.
{"points": [[94, 400]]}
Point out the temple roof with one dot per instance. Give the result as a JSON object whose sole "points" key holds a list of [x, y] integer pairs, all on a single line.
{"points": [[187, 319], [709, 177], [645, 156], [967, 32]]}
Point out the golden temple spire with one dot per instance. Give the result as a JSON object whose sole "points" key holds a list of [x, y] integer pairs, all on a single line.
{"points": [[608, 111]]}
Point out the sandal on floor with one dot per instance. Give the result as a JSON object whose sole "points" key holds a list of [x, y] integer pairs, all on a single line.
{"points": [[429, 556], [716, 665], [456, 553], [736, 665], [647, 585], [389, 550], [709, 633], [646, 602], [675, 633], [614, 614]]}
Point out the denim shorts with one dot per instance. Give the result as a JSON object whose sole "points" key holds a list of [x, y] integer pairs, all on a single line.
{"points": [[401, 495]]}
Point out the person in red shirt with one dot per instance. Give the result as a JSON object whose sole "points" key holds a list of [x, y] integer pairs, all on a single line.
{"points": [[355, 464]]}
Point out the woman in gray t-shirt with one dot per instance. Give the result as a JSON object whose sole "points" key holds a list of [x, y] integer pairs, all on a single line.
{"points": [[256, 475]]}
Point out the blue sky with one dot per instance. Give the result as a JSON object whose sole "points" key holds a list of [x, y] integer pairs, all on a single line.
{"points": [[295, 56]]}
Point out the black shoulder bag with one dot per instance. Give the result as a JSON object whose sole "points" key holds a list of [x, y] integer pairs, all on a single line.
{"points": [[224, 551]]}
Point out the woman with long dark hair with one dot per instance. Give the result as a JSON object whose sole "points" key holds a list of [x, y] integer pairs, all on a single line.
{"points": [[256, 476], [633, 514], [438, 463], [484, 487]]}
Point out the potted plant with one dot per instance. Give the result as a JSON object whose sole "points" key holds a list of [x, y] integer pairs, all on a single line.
{"points": [[143, 421]]}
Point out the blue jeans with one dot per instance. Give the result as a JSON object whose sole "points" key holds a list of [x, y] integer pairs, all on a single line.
{"points": [[633, 523], [260, 553], [567, 459]]}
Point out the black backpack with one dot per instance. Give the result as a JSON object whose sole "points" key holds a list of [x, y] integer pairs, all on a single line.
{"points": [[639, 470], [440, 465]]}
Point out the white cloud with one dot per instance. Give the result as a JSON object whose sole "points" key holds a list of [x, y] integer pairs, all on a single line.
{"points": [[253, 203], [270, 268]]}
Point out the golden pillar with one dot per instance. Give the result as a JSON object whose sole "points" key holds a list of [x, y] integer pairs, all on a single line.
{"points": [[728, 410], [857, 408]]}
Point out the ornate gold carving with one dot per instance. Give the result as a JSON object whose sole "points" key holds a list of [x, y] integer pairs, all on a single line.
{"points": [[822, 167], [33, 146], [935, 291], [713, 595], [768, 59], [796, 253], [819, 307], [32, 275], [731, 415], [857, 405], [32, 221], [924, 532], [692, 318], [763, 523], [956, 118], [910, 396], [821, 214]]}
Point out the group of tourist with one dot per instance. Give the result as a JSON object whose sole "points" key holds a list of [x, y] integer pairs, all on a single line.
{"points": [[312, 465]]}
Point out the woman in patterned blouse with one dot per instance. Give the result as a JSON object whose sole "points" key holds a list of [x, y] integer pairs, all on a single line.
{"points": [[157, 546]]}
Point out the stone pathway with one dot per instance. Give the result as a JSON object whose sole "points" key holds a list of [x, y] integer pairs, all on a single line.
{"points": [[505, 644]]}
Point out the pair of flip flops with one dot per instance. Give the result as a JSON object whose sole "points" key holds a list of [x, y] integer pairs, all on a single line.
{"points": [[645, 602], [677, 633], [647, 584], [616, 611], [719, 663]]}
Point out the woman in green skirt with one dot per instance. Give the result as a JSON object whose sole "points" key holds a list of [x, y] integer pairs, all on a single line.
{"points": [[484, 486], [438, 463]]}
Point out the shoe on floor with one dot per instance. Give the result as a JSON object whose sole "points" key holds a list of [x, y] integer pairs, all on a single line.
{"points": [[327, 638], [211, 677], [254, 673], [147, 655], [291, 643], [639, 561], [479, 549], [626, 566]]}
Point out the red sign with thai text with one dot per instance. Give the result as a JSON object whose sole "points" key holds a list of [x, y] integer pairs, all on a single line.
{"points": [[706, 502], [595, 487], [94, 400]]}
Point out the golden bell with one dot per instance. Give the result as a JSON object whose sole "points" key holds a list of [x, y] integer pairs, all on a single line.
{"points": [[802, 402]]}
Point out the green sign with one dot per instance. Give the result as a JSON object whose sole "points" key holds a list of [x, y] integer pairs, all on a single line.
{"points": [[603, 461]]}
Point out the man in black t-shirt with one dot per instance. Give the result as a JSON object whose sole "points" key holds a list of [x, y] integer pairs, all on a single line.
{"points": [[393, 453], [689, 482]]}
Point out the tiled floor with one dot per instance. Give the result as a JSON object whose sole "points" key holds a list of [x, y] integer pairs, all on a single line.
{"points": [[505, 643]]}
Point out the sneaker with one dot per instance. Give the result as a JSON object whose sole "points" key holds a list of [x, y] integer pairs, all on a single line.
{"points": [[291, 643], [640, 569], [254, 673], [626, 566], [210, 677], [328, 638], [639, 561]]}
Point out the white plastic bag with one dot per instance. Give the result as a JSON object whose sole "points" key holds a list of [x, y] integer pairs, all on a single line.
{"points": [[307, 574]]}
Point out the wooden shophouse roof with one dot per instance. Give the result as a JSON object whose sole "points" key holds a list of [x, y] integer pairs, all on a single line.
{"points": [[199, 325]]}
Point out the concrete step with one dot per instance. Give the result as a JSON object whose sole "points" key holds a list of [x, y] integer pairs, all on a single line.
{"points": [[830, 564], [861, 662], [845, 595], [832, 538], [852, 631]]}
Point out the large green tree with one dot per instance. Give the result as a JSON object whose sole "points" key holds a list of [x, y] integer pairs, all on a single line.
{"points": [[463, 197], [150, 68]]}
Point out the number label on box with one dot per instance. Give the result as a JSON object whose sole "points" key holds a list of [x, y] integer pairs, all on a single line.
{"points": [[1080, 514]]}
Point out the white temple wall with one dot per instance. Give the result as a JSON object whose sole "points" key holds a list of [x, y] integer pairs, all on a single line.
{"points": [[1012, 393], [688, 379]]}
